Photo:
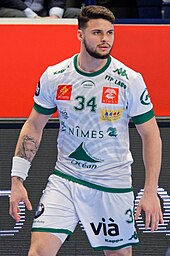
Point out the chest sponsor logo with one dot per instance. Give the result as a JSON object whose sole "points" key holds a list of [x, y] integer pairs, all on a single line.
{"points": [[88, 84], [64, 92], [110, 115], [82, 158], [110, 95], [112, 132], [117, 82], [144, 98]]}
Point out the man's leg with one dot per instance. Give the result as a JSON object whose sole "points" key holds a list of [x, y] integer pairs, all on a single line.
{"points": [[122, 252], [44, 244]]}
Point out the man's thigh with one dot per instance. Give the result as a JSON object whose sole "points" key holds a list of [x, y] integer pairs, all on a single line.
{"points": [[122, 252], [44, 244]]}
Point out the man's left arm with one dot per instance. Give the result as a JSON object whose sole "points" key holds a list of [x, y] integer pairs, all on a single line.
{"points": [[152, 154]]}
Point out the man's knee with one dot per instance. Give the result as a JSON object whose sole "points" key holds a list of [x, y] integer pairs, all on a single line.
{"points": [[122, 252]]}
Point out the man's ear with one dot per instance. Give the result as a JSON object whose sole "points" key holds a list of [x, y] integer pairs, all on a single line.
{"points": [[80, 34]]}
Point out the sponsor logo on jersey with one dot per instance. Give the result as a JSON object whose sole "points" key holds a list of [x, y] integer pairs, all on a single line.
{"points": [[59, 71], [109, 78], [121, 72], [117, 82], [63, 113], [110, 95], [82, 158], [144, 98], [88, 84], [120, 83], [78, 132], [37, 92], [112, 132], [110, 115], [63, 126], [107, 229], [64, 92]]}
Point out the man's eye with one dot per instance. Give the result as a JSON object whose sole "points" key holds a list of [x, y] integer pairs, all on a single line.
{"points": [[96, 32]]}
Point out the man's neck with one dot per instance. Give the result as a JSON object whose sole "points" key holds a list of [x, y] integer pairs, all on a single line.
{"points": [[90, 64]]}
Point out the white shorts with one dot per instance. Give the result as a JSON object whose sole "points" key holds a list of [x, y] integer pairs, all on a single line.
{"points": [[107, 218]]}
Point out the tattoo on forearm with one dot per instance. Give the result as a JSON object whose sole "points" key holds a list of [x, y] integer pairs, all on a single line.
{"points": [[28, 148]]}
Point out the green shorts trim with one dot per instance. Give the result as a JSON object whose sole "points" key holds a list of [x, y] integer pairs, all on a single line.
{"points": [[102, 248], [52, 230], [90, 185]]}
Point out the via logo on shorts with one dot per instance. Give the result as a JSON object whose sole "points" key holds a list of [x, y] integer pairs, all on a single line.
{"points": [[110, 229]]}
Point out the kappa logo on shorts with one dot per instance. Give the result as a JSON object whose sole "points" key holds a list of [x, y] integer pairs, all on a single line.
{"points": [[110, 95], [64, 92], [108, 229]]}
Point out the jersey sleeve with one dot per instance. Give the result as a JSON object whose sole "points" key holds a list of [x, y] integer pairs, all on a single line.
{"points": [[43, 100], [140, 108]]}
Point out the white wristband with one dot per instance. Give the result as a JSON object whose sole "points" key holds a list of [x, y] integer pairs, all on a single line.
{"points": [[20, 167]]}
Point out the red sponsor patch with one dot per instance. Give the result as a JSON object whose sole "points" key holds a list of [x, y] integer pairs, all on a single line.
{"points": [[64, 92], [110, 95]]}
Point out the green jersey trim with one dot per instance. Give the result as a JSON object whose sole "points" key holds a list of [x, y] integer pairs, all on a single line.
{"points": [[143, 118], [90, 185], [52, 230], [94, 73], [101, 248], [45, 111]]}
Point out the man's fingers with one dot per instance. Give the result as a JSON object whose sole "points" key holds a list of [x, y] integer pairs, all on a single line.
{"points": [[161, 220], [14, 211], [153, 220], [147, 219], [28, 204]]}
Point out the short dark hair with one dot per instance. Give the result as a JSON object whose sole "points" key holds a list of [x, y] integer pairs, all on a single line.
{"points": [[94, 12]]}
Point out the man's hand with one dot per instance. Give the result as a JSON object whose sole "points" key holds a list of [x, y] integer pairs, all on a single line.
{"points": [[150, 204], [18, 194]]}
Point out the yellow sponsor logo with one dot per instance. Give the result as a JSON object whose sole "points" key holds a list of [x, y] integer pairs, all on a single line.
{"points": [[110, 115]]}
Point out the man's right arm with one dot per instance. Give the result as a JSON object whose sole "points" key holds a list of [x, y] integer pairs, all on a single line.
{"points": [[27, 147]]}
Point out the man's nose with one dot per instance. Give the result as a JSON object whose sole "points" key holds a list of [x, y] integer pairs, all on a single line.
{"points": [[104, 38]]}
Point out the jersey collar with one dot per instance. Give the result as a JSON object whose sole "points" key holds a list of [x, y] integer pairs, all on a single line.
{"points": [[91, 74]]}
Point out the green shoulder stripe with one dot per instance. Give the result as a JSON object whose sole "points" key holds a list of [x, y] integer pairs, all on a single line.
{"points": [[143, 118], [45, 111]]}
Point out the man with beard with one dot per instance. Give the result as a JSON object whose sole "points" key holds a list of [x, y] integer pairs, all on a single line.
{"points": [[95, 95]]}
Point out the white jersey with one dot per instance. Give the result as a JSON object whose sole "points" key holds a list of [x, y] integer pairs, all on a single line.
{"points": [[94, 111]]}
